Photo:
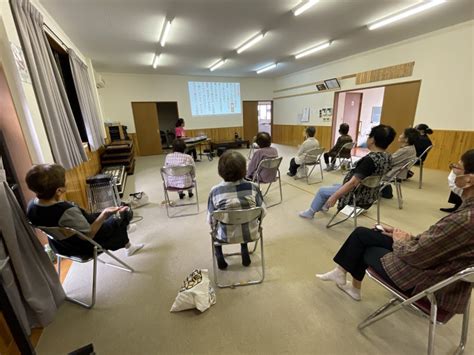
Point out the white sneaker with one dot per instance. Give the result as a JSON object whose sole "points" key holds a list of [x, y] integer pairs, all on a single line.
{"points": [[308, 214], [133, 248], [132, 227]]}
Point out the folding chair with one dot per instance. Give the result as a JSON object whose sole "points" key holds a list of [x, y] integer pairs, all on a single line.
{"points": [[372, 182], [425, 303], [345, 155], [312, 158], [237, 218], [420, 159], [179, 171], [396, 180], [268, 165], [62, 233]]}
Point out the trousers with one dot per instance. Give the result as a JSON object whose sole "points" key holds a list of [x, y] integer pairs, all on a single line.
{"points": [[363, 248], [322, 196]]}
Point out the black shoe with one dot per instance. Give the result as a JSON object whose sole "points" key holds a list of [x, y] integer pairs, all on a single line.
{"points": [[190, 194], [448, 210], [181, 195], [245, 255], [290, 174]]}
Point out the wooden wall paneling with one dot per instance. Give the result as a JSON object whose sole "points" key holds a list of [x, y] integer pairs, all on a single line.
{"points": [[76, 178], [387, 73], [216, 134], [448, 146], [294, 135]]}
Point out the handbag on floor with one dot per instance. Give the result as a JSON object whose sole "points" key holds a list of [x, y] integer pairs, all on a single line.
{"points": [[138, 199], [195, 293]]}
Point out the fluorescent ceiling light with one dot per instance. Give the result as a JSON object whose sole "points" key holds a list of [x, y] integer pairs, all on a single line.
{"points": [[268, 67], [249, 43], [217, 64], [425, 5], [165, 32], [156, 60], [313, 49], [303, 6]]}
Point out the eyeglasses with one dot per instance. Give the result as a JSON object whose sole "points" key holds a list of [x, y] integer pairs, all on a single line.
{"points": [[455, 166]]}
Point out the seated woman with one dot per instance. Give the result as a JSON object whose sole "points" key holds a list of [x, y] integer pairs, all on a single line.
{"points": [[178, 158], [377, 162], [48, 209], [402, 156], [309, 144], [344, 138], [456, 193], [414, 263], [234, 193], [181, 133], [264, 141]]}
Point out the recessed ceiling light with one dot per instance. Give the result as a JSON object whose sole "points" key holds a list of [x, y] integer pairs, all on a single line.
{"points": [[156, 60], [425, 5], [250, 42], [303, 6], [217, 64], [313, 49], [266, 68], [165, 32]]}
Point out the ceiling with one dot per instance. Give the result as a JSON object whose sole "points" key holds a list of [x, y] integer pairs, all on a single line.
{"points": [[122, 35]]}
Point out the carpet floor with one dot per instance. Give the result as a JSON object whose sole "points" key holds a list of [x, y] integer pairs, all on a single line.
{"points": [[291, 312]]}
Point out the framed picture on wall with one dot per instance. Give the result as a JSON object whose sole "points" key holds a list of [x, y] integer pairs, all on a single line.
{"points": [[376, 113]]}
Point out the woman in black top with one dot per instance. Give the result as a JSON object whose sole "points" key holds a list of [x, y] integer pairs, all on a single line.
{"points": [[423, 141]]}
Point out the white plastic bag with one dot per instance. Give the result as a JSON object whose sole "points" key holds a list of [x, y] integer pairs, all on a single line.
{"points": [[301, 172], [138, 199], [195, 293]]}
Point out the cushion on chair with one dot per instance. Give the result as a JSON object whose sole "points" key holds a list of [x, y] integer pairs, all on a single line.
{"points": [[424, 305]]}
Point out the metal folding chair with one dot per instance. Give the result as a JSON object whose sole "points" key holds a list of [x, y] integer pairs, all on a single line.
{"points": [[420, 159], [237, 217], [344, 155], [372, 182], [396, 180], [179, 171], [425, 303], [62, 233], [312, 158], [269, 165]]}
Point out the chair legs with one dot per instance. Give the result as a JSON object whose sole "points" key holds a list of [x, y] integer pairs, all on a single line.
{"points": [[330, 224], [420, 183], [168, 202], [124, 267], [465, 328], [308, 174], [398, 187], [243, 283], [432, 330], [268, 188]]}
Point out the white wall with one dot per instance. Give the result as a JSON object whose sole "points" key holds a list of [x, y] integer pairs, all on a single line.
{"points": [[122, 89], [23, 93], [443, 61], [370, 98]]}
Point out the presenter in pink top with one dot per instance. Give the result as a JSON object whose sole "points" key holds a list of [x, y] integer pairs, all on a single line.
{"points": [[181, 134]]}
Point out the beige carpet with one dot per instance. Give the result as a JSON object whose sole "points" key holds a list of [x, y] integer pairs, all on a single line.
{"points": [[291, 312]]}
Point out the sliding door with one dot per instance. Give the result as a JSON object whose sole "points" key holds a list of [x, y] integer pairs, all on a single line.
{"points": [[250, 119], [147, 128], [399, 107]]}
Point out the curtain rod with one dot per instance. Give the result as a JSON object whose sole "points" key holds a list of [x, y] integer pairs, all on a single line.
{"points": [[56, 37]]}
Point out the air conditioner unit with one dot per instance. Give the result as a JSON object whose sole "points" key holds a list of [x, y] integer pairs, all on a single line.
{"points": [[100, 82]]}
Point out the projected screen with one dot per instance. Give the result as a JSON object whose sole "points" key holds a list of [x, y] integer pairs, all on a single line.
{"points": [[214, 98]]}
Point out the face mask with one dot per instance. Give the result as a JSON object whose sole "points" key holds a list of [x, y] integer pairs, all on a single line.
{"points": [[463, 181]]}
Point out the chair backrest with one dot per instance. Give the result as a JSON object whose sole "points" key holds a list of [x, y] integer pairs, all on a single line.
{"points": [[270, 163], [234, 217], [405, 168], [425, 152], [179, 170], [371, 182], [313, 156], [62, 233], [267, 170]]}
